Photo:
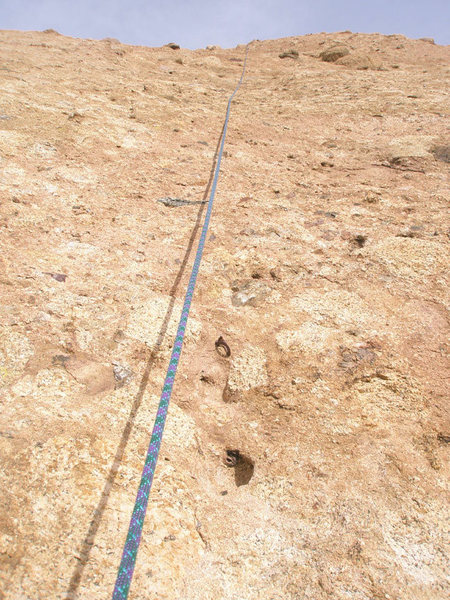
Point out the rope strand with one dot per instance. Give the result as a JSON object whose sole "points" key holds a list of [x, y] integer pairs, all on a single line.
{"points": [[128, 561]]}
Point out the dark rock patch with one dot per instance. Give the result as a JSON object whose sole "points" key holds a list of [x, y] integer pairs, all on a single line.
{"points": [[334, 53], [289, 54], [174, 202], [441, 153]]}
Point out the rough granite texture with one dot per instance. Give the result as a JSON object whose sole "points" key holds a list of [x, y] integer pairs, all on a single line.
{"points": [[325, 271]]}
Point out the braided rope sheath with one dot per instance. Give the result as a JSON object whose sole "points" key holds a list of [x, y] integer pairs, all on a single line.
{"points": [[130, 550]]}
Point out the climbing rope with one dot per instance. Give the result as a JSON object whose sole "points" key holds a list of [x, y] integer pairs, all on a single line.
{"points": [[130, 550]]}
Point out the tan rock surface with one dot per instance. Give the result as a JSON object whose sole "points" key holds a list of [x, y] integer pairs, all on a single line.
{"points": [[325, 270]]}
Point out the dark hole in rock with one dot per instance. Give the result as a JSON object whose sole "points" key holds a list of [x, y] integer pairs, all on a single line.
{"points": [[206, 378], [60, 360], [360, 240], [243, 466]]}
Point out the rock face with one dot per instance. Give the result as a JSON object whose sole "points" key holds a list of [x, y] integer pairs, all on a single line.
{"points": [[311, 462]]}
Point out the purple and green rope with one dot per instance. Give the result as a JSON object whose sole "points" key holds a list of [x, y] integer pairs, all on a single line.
{"points": [[128, 561]]}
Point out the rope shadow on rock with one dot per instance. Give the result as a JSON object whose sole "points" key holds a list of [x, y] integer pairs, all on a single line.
{"points": [[88, 542]]}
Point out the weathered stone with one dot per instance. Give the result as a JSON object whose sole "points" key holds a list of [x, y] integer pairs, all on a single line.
{"points": [[289, 54], [122, 374], [250, 292], [334, 53]]}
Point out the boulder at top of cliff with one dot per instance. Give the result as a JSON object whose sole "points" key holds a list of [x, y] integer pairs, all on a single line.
{"points": [[334, 53]]}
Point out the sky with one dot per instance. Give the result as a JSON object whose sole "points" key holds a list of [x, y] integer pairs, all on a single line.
{"points": [[197, 23]]}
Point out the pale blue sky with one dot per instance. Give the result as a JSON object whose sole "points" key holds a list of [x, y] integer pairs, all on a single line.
{"points": [[196, 23]]}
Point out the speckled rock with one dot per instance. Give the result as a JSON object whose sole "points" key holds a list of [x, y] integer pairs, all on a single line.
{"points": [[325, 270]]}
